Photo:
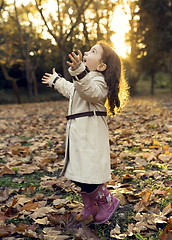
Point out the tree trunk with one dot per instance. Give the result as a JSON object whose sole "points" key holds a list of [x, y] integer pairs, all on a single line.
{"points": [[13, 81], [35, 86], [28, 77], [65, 68], [133, 80], [152, 82], [16, 90]]}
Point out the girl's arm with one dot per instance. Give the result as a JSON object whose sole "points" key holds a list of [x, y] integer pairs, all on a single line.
{"points": [[90, 89], [59, 83]]}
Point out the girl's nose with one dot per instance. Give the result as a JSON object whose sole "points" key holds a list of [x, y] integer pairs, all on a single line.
{"points": [[86, 53]]}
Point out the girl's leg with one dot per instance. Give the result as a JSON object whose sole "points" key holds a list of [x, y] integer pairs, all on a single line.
{"points": [[107, 204], [98, 201], [90, 205], [88, 188]]}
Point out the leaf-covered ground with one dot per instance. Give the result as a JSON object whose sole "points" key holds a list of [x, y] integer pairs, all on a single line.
{"points": [[36, 204]]}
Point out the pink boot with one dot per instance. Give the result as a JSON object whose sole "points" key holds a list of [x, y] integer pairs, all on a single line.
{"points": [[107, 204], [90, 205]]}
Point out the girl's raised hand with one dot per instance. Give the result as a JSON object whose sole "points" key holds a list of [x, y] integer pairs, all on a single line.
{"points": [[76, 60], [45, 79]]}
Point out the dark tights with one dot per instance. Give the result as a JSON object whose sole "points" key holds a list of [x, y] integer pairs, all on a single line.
{"points": [[85, 187]]}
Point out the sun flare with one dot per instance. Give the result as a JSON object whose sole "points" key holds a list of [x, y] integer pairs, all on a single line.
{"points": [[120, 25]]}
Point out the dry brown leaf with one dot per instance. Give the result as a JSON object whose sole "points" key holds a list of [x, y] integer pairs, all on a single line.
{"points": [[30, 206], [4, 170], [115, 231], [63, 221], [41, 212], [4, 194], [167, 231], [53, 233], [85, 233], [11, 212], [167, 210], [27, 169], [6, 230], [20, 228], [42, 221]]}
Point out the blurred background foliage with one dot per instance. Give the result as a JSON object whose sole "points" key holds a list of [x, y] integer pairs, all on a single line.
{"points": [[37, 35]]}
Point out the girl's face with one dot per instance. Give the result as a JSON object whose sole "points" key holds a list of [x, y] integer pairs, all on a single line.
{"points": [[92, 59]]}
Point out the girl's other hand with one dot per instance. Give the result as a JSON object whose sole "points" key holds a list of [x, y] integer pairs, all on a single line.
{"points": [[45, 79], [76, 60]]}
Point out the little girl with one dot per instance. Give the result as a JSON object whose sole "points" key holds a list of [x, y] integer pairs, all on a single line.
{"points": [[97, 80]]}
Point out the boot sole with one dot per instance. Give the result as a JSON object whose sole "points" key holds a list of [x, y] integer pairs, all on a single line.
{"points": [[109, 215]]}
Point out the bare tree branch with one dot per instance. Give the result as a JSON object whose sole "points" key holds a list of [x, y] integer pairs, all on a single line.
{"points": [[60, 22], [1, 5], [81, 10], [58, 40], [38, 6]]}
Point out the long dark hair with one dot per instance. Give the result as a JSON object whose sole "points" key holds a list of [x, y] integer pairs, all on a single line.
{"points": [[114, 78]]}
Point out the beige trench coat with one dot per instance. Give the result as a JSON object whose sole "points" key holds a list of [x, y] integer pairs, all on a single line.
{"points": [[87, 157]]}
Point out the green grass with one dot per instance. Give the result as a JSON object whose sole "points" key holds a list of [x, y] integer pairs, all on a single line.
{"points": [[30, 179], [27, 220], [162, 86], [7, 96]]}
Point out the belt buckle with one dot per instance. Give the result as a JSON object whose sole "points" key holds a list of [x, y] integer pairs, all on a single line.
{"points": [[94, 113]]}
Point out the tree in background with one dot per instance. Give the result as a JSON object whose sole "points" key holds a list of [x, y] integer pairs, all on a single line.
{"points": [[18, 36], [132, 61], [64, 26], [77, 24], [1, 5], [73, 25], [8, 53], [98, 18], [36, 39], [154, 36]]}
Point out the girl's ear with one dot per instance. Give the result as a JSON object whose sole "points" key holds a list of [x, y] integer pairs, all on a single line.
{"points": [[102, 67]]}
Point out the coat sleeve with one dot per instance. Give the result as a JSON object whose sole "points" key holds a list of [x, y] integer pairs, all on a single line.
{"points": [[61, 85], [91, 89]]}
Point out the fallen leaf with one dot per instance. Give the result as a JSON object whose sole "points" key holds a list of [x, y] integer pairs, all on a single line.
{"points": [[5, 171], [4, 195], [41, 212], [167, 210], [53, 233], [5, 230], [30, 206], [115, 231]]}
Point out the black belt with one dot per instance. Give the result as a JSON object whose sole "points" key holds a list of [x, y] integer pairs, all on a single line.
{"points": [[86, 114]]}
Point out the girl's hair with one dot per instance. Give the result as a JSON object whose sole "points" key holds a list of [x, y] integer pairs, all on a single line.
{"points": [[114, 77]]}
